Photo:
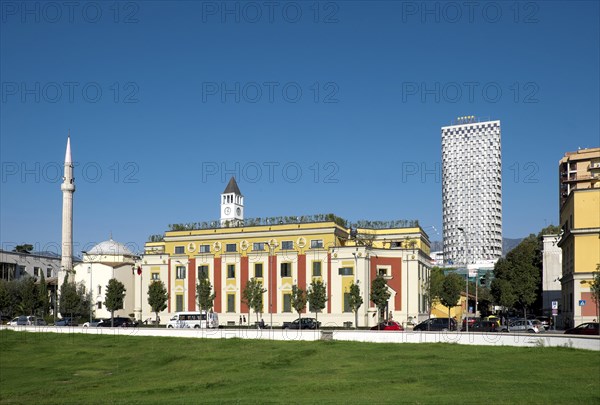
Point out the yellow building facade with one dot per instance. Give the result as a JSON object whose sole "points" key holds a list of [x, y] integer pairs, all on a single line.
{"points": [[580, 244], [281, 253]]}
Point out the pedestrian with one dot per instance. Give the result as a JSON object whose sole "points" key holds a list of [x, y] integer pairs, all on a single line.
{"points": [[240, 320], [244, 319]]}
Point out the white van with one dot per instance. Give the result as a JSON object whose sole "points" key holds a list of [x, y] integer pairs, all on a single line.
{"points": [[193, 320]]}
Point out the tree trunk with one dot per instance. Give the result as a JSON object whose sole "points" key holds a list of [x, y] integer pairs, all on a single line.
{"points": [[112, 319], [356, 319]]}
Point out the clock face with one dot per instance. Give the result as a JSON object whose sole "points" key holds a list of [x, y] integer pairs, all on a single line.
{"points": [[239, 211], [227, 210]]}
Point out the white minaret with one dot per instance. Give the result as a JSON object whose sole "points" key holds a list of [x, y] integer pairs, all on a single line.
{"points": [[68, 188], [232, 205]]}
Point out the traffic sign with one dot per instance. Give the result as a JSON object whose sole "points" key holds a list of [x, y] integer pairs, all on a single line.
{"points": [[581, 303], [554, 304]]}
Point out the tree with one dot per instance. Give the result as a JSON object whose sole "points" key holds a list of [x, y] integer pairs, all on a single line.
{"points": [[43, 299], [380, 295], [25, 248], [317, 297], [252, 295], [517, 277], [205, 296], [157, 297], [115, 295], [298, 300], [355, 301], [595, 289], [28, 295], [70, 300], [433, 287], [450, 291], [6, 298]]}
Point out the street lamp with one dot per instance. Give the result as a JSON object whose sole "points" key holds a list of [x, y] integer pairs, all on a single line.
{"points": [[467, 284], [91, 294]]}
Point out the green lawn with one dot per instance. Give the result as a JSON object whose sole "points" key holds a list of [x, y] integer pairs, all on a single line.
{"points": [[58, 368]]}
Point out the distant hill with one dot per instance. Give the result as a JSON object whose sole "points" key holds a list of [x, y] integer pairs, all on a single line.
{"points": [[507, 245]]}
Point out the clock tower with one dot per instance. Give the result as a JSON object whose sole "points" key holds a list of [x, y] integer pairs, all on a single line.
{"points": [[232, 205]]}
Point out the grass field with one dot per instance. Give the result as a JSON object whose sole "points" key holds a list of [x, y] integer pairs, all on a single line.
{"points": [[48, 368]]}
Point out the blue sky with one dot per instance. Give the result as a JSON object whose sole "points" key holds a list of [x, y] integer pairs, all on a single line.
{"points": [[316, 107]]}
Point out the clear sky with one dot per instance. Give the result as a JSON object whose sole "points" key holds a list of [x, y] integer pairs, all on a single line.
{"points": [[315, 107]]}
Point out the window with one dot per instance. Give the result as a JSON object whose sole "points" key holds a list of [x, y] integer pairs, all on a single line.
{"points": [[383, 271], [204, 248], [230, 302], [316, 244], [36, 271], [287, 302], [258, 246], [231, 271], [202, 272], [347, 302], [180, 272], [155, 276], [346, 271], [179, 250], [286, 269], [231, 247], [99, 290], [316, 269], [287, 245], [179, 303], [258, 270], [49, 272], [99, 305]]}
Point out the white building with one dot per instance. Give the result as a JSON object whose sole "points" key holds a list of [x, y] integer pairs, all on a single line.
{"points": [[106, 260], [472, 191], [551, 272]]}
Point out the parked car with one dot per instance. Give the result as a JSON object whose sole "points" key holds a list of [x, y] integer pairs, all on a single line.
{"points": [[21, 320], [588, 328], [484, 326], [388, 325], [302, 323], [523, 325], [39, 322], [66, 321], [471, 321], [94, 323], [437, 324], [119, 321]]}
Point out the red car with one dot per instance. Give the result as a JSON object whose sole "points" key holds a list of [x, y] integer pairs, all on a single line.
{"points": [[389, 325], [588, 328]]}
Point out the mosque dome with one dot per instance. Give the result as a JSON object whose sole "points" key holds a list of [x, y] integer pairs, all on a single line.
{"points": [[110, 247]]}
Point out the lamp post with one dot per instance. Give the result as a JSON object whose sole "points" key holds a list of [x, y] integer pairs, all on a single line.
{"points": [[91, 294], [467, 284]]}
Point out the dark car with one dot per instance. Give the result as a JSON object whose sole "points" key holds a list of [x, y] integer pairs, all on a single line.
{"points": [[67, 321], [119, 321], [483, 326], [471, 322], [389, 325], [437, 324], [302, 323], [588, 328]]}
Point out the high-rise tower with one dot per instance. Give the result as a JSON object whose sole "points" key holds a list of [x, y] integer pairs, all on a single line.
{"points": [[68, 188], [472, 191]]}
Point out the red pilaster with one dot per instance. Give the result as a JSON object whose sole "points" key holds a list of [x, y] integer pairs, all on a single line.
{"points": [[273, 284], [395, 282], [191, 285], [328, 283], [302, 274], [217, 283], [244, 281]]}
